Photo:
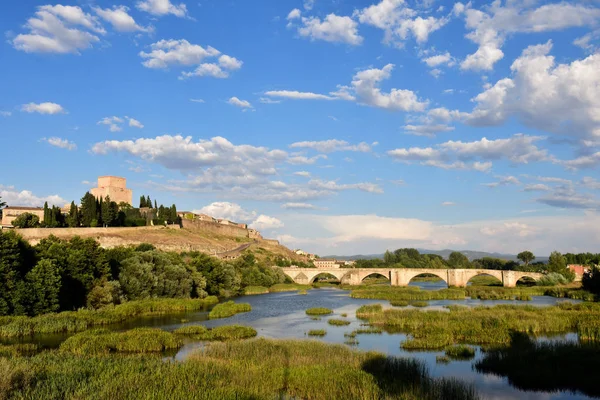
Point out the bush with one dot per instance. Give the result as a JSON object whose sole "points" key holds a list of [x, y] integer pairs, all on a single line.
{"points": [[552, 279], [26, 220]]}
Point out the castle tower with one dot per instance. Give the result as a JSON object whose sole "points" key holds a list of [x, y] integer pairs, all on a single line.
{"points": [[115, 187]]}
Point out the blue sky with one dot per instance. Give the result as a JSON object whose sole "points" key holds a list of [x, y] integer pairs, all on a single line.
{"points": [[336, 126]]}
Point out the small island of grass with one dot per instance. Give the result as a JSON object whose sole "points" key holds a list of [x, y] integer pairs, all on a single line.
{"points": [[228, 309]]}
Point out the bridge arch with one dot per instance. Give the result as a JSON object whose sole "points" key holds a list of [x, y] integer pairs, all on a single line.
{"points": [[410, 274], [337, 275], [377, 274], [469, 274]]}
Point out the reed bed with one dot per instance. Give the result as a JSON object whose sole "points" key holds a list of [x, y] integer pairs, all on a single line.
{"points": [[303, 292], [488, 325], [368, 310], [338, 322], [399, 303], [368, 331], [257, 369], [228, 309], [220, 333], [20, 349], [442, 360], [419, 304], [395, 293], [319, 311], [103, 341], [76, 321], [545, 366], [460, 352], [288, 287], [253, 290], [351, 341], [317, 332]]}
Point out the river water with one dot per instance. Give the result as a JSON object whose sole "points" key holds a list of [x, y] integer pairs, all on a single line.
{"points": [[283, 316]]}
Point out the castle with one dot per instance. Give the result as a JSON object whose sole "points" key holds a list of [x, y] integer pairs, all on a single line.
{"points": [[115, 187]]}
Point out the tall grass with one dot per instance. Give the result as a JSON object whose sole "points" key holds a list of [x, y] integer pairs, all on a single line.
{"points": [[257, 369], [317, 332], [102, 341], [319, 311], [228, 309], [252, 290], [338, 322], [220, 333], [368, 310], [460, 352], [488, 325], [288, 287], [75, 321]]}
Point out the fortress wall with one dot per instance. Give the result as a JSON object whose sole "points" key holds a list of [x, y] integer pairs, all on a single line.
{"points": [[219, 229]]}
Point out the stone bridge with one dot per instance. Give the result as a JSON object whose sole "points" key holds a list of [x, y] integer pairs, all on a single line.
{"points": [[403, 276]]}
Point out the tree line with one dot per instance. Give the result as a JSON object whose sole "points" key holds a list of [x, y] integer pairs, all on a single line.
{"points": [[412, 258], [95, 212], [60, 275]]}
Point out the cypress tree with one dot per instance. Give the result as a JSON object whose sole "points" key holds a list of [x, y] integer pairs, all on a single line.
{"points": [[142, 202], [88, 210], [173, 214], [73, 219], [46, 214], [155, 207], [148, 202]]}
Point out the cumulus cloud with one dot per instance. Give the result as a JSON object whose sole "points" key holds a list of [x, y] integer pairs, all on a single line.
{"points": [[181, 53], [399, 22], [226, 210], [26, 198], [59, 29], [162, 7], [43, 108], [490, 26], [331, 145], [264, 222], [333, 28], [334, 186], [234, 101], [62, 143], [503, 181], [293, 94], [135, 123], [120, 19], [561, 99]]}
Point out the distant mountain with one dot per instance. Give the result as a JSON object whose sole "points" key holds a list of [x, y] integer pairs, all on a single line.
{"points": [[471, 255]]}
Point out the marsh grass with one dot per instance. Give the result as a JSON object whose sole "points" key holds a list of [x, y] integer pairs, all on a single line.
{"points": [[314, 318], [350, 334], [319, 311], [345, 315], [545, 366], [433, 329], [256, 369], [76, 321], [351, 341], [442, 360], [220, 333], [368, 310], [460, 352], [20, 349], [317, 332], [419, 304], [523, 297], [288, 287], [103, 341], [303, 292], [253, 290], [228, 309], [399, 303], [368, 331], [338, 322]]}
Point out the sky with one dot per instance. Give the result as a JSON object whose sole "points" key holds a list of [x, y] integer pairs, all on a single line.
{"points": [[339, 127]]}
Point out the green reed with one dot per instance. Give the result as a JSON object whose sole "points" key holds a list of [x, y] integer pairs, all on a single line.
{"points": [[319, 311], [338, 322], [228, 309]]}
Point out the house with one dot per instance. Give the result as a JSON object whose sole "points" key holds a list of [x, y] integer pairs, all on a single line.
{"points": [[204, 217], [9, 214], [326, 263], [300, 252], [579, 270]]}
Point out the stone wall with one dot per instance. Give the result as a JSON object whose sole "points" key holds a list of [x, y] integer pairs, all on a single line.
{"points": [[219, 229], [40, 233], [271, 241]]}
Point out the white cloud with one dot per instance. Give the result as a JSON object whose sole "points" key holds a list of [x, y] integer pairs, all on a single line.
{"points": [[264, 222], [113, 123], [561, 99], [426, 130], [225, 210], [452, 154], [306, 174], [43, 108], [366, 86], [135, 123], [504, 181], [172, 53], [399, 22], [448, 203], [294, 14], [303, 160], [62, 143], [162, 7], [332, 145], [536, 187], [120, 19], [309, 4], [59, 29], [490, 27], [439, 59], [197, 101], [26, 198], [590, 183], [334, 186], [298, 206], [292, 94], [266, 100], [234, 101], [587, 161], [333, 29]]}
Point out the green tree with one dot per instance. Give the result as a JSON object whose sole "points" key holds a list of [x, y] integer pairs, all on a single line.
{"points": [[148, 202], [591, 280], [73, 218], [47, 215], [389, 258], [88, 211], [155, 206], [526, 257], [26, 220], [16, 260], [557, 263], [221, 278], [142, 202], [458, 260], [43, 283]]}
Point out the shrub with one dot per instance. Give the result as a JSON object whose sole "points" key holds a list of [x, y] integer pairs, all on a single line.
{"points": [[26, 220], [552, 279], [319, 311]]}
